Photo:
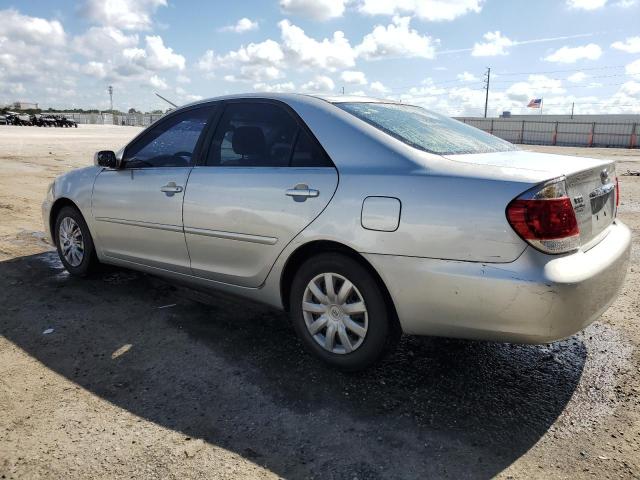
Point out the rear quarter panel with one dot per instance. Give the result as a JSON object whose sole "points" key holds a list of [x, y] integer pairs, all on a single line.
{"points": [[441, 217]]}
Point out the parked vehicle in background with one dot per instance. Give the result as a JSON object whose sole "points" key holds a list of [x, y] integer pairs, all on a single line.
{"points": [[24, 119], [12, 118], [3, 120], [363, 218], [63, 121], [43, 121]]}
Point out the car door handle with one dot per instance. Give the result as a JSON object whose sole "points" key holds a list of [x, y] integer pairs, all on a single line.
{"points": [[171, 188], [301, 192]]}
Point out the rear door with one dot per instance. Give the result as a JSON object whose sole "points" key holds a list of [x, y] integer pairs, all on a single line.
{"points": [[138, 209], [264, 179]]}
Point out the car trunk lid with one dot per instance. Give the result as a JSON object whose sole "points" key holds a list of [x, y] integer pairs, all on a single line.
{"points": [[590, 184]]}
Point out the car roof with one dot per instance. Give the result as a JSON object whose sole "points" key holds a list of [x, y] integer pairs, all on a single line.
{"points": [[298, 97]]}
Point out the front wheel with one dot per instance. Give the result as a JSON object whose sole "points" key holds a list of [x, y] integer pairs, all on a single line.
{"points": [[74, 243], [339, 312]]}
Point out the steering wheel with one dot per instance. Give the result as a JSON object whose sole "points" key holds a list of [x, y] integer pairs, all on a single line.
{"points": [[183, 154]]}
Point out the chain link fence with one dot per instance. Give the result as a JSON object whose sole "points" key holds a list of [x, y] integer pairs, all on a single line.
{"points": [[574, 133]]}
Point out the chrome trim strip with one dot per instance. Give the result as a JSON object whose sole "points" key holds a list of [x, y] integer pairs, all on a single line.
{"points": [[137, 223], [242, 237]]}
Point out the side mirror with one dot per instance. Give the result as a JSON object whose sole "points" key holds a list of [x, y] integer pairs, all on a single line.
{"points": [[106, 158]]}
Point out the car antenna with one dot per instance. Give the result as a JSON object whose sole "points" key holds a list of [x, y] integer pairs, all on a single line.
{"points": [[168, 101]]}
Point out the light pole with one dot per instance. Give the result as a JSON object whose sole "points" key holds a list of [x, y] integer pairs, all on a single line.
{"points": [[110, 90]]}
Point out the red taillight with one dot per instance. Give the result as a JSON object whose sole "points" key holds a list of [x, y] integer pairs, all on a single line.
{"points": [[546, 219], [617, 193]]}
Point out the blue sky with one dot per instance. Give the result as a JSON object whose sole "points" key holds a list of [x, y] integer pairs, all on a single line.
{"points": [[429, 52]]}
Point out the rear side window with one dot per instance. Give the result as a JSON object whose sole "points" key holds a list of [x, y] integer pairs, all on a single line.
{"points": [[253, 135], [169, 143], [263, 135], [308, 153]]}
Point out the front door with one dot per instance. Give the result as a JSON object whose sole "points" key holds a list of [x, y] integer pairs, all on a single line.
{"points": [[264, 180], [137, 210]]}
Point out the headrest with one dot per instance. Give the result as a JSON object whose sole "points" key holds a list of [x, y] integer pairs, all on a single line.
{"points": [[248, 141]]}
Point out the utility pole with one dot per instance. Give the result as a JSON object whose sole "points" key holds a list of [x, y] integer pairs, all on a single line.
{"points": [[343, 90], [110, 90], [573, 104], [486, 86]]}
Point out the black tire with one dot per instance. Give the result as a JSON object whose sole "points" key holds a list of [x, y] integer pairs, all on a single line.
{"points": [[89, 261], [382, 333]]}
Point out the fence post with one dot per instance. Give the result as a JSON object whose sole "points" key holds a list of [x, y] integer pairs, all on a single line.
{"points": [[555, 134], [593, 129], [491, 131], [522, 133], [633, 139]]}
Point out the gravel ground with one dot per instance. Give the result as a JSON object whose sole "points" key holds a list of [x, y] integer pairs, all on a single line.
{"points": [[141, 378]]}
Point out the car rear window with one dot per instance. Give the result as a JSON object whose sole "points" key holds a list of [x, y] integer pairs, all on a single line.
{"points": [[426, 130]]}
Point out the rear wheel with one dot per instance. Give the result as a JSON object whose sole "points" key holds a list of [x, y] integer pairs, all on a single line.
{"points": [[74, 243], [339, 312]]}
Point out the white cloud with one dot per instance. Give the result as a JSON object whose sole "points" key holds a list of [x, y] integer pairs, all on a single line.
{"points": [[536, 86], [378, 87], [633, 68], [328, 54], [31, 30], [321, 83], [263, 53], [157, 82], [496, 44], [630, 45], [586, 4], [577, 77], [122, 14], [33, 54], [95, 69], [596, 4], [277, 87], [314, 9], [573, 54], [161, 57], [396, 40], [241, 26], [353, 77], [207, 62], [432, 10], [17, 88], [155, 56], [255, 62], [103, 41], [183, 79], [467, 77]]}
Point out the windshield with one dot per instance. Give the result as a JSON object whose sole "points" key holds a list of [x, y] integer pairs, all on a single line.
{"points": [[426, 130]]}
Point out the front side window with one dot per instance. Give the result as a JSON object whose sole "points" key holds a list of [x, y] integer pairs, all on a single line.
{"points": [[253, 135], [169, 143], [426, 130]]}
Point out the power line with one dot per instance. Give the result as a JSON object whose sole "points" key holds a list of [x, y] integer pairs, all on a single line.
{"points": [[562, 71], [450, 81]]}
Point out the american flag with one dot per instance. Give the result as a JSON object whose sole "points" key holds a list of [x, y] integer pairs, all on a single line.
{"points": [[535, 103]]}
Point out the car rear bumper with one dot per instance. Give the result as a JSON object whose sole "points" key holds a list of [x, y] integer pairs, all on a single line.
{"points": [[536, 299]]}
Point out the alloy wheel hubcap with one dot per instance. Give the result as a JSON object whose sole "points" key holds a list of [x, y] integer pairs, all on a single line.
{"points": [[335, 313], [71, 241]]}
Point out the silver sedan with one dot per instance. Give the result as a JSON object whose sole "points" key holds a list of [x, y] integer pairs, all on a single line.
{"points": [[363, 218]]}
